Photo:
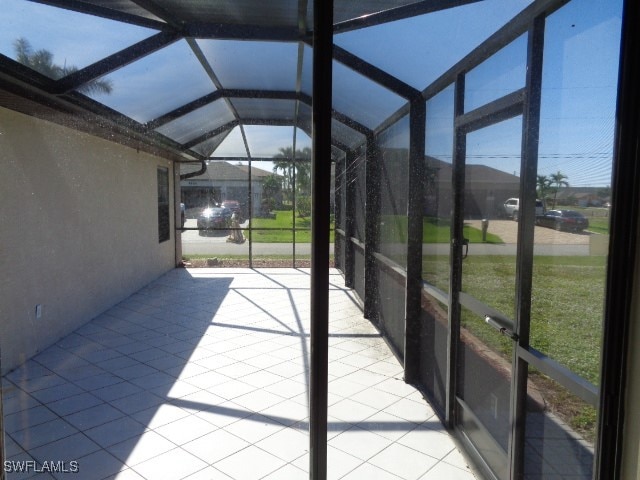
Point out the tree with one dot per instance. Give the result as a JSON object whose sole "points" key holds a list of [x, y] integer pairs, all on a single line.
{"points": [[543, 184], [303, 177], [558, 180], [42, 61], [295, 171], [604, 193], [271, 193], [284, 162], [303, 206]]}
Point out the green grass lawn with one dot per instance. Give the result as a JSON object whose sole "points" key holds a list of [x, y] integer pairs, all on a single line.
{"points": [[393, 230], [599, 225], [566, 305], [598, 218], [434, 230], [566, 317], [284, 220]]}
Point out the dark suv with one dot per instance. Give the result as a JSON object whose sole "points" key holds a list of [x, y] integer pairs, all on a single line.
{"points": [[234, 206], [214, 219]]}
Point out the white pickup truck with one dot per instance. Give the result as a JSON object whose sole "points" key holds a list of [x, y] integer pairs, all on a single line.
{"points": [[512, 208]]}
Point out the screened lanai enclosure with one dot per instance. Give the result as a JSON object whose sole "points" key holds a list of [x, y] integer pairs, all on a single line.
{"points": [[458, 162]]}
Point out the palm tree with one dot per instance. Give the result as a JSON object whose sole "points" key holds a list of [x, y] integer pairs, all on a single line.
{"points": [[42, 61], [283, 160], [558, 180], [303, 171], [303, 177], [295, 171], [543, 184]]}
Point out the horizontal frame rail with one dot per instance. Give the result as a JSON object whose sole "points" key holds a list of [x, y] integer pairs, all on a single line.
{"points": [[479, 308], [565, 377], [357, 243], [435, 292], [503, 108]]}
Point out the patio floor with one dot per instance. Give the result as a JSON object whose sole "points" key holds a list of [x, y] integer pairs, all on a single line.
{"points": [[203, 375]]}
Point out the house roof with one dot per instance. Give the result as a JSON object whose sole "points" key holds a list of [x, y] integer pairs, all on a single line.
{"points": [[226, 171], [255, 172], [474, 174]]}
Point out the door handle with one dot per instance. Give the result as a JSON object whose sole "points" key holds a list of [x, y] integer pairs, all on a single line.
{"points": [[465, 244], [503, 330]]}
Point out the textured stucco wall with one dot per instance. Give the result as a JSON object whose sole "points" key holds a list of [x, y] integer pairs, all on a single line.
{"points": [[78, 230], [631, 439]]}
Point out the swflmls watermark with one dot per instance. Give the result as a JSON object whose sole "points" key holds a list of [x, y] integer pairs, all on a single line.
{"points": [[25, 466]]}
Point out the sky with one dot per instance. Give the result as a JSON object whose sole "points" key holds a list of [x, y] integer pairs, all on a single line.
{"points": [[579, 82], [263, 142], [74, 38]]}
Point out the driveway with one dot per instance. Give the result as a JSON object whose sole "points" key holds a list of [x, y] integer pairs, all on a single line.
{"points": [[546, 241], [507, 230]]}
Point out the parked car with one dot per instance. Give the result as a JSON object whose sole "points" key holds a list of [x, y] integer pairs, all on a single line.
{"points": [[512, 208], [212, 218], [564, 220], [234, 206]]}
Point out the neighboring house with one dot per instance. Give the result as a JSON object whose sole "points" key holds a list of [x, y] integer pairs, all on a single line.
{"points": [[486, 190], [581, 196], [587, 200], [223, 181]]}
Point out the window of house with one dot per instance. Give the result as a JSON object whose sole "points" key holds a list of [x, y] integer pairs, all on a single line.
{"points": [[163, 204]]}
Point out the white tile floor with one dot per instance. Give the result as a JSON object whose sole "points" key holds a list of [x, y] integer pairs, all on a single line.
{"points": [[203, 375]]}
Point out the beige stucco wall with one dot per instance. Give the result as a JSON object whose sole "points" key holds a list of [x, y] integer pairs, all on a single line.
{"points": [[631, 435], [78, 230]]}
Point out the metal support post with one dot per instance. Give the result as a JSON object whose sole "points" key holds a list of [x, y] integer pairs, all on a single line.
{"points": [[413, 287], [350, 216], [528, 176], [455, 282], [372, 228], [320, 226]]}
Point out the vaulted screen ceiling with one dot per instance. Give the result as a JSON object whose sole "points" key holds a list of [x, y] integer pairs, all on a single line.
{"points": [[182, 75]]}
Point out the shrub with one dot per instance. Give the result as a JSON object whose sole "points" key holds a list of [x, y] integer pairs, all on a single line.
{"points": [[303, 206]]}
